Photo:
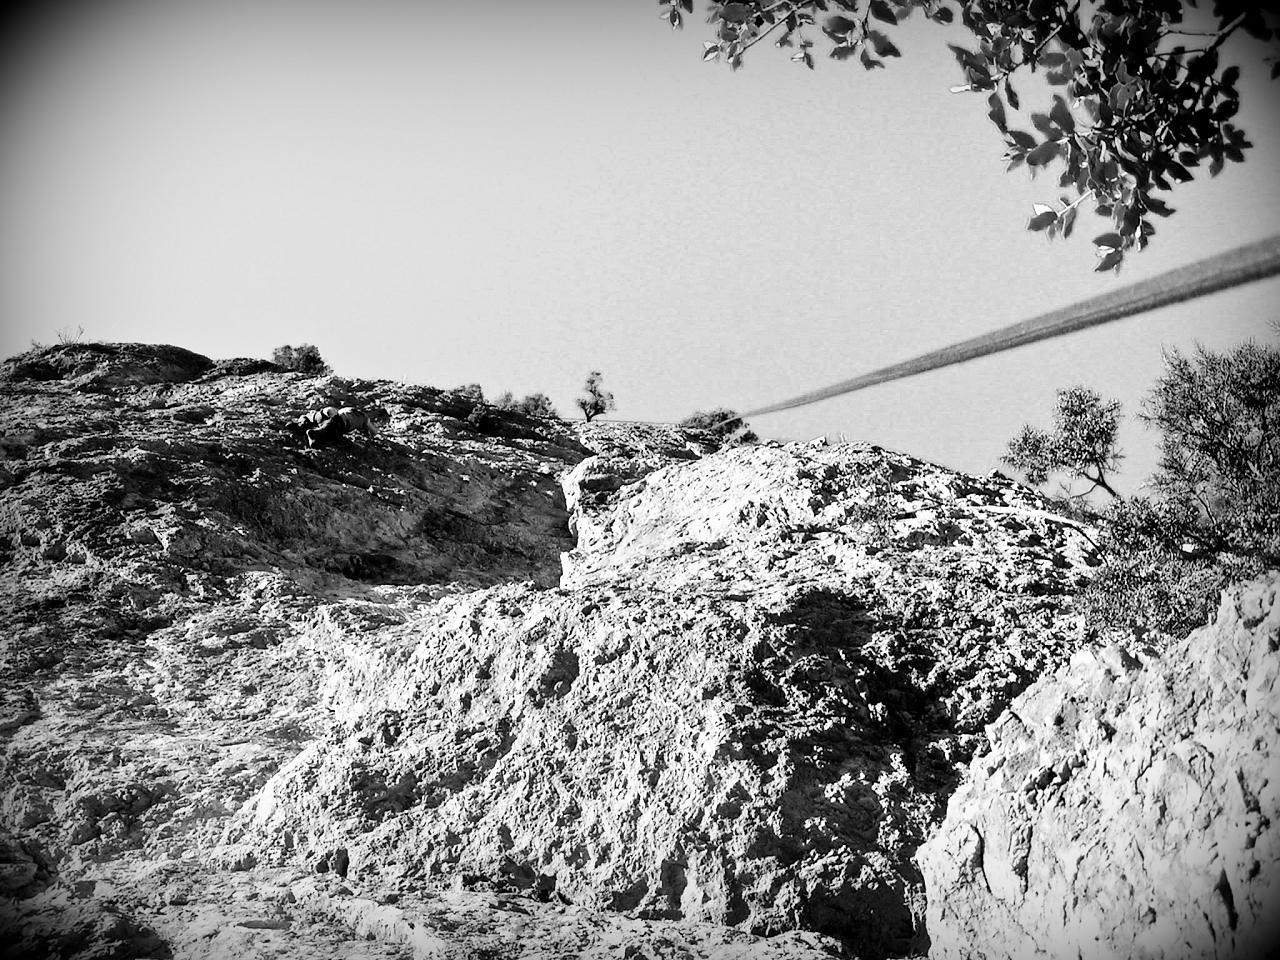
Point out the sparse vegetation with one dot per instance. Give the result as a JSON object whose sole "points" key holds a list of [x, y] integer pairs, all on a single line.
{"points": [[598, 400], [304, 358], [66, 335], [1215, 516], [1153, 577], [533, 404], [723, 424], [472, 391]]}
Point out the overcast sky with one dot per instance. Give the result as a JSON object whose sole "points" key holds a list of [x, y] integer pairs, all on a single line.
{"points": [[515, 193]]}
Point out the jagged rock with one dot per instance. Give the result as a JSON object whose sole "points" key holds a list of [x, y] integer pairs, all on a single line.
{"points": [[1127, 807], [267, 702], [746, 705]]}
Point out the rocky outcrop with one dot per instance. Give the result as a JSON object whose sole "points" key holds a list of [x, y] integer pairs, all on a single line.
{"points": [[104, 366], [498, 684], [1127, 807], [745, 705], [171, 564]]}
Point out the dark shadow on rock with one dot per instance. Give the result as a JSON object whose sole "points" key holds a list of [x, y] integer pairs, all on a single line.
{"points": [[98, 929]]}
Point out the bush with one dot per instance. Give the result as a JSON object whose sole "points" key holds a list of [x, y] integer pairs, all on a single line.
{"points": [[1155, 588], [472, 391], [534, 405], [723, 424], [304, 358]]}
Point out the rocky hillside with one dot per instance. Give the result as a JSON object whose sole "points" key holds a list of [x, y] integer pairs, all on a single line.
{"points": [[486, 685]]}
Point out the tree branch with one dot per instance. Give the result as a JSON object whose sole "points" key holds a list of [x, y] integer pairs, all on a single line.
{"points": [[764, 33], [1006, 74]]}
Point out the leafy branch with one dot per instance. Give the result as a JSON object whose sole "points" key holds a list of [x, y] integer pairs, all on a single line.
{"points": [[1133, 119]]}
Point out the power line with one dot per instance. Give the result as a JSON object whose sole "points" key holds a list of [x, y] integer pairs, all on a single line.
{"points": [[1242, 265]]}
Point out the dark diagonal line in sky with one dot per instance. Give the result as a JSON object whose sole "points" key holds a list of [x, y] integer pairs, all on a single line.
{"points": [[1242, 265]]}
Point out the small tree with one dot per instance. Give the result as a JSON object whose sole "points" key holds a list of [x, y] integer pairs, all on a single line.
{"points": [[472, 391], [723, 424], [1082, 443], [304, 358], [598, 400], [1220, 450]]}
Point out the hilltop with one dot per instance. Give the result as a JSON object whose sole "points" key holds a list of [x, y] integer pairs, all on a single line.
{"points": [[499, 685]]}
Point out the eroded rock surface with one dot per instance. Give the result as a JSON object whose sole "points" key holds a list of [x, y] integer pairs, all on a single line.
{"points": [[1127, 807], [172, 565], [487, 685], [745, 705]]}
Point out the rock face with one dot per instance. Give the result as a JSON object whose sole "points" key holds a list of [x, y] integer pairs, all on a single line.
{"points": [[492, 685], [745, 705], [1127, 807]]}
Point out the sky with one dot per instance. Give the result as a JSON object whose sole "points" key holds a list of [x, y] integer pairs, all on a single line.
{"points": [[516, 193]]}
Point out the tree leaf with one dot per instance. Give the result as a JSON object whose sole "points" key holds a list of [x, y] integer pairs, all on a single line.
{"points": [[884, 46], [838, 24], [943, 15], [1111, 240], [1109, 262], [734, 12], [1042, 123], [1255, 26], [1010, 95], [710, 51], [1202, 66], [996, 113], [1061, 115], [1045, 153], [1039, 208], [882, 11], [1023, 139], [869, 61], [1042, 220]]}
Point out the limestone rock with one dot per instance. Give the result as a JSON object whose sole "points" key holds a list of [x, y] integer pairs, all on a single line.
{"points": [[746, 704], [489, 681], [1126, 807]]}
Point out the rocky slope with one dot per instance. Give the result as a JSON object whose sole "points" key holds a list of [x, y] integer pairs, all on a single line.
{"points": [[1126, 807], [486, 685]]}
